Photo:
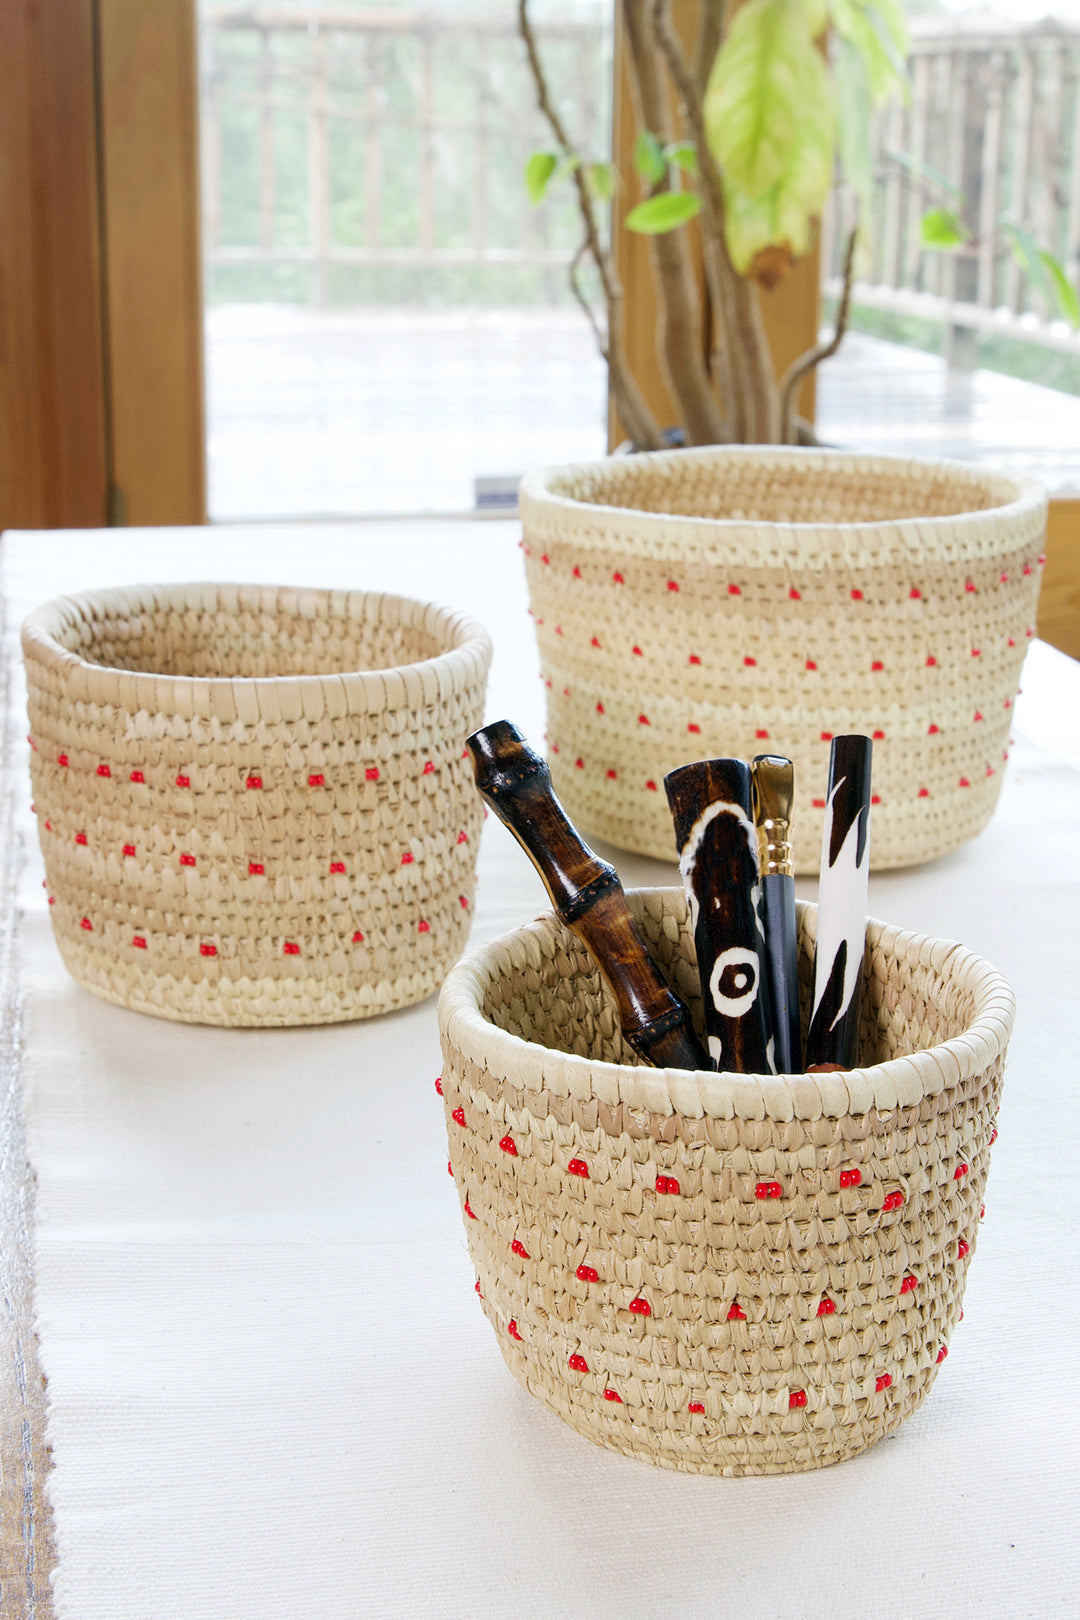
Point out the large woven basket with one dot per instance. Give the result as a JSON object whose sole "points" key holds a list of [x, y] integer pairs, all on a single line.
{"points": [[737, 602], [252, 802], [717, 1273]]}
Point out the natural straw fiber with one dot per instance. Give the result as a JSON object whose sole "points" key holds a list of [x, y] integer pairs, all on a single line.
{"points": [[719, 1273], [697, 603], [253, 802]]}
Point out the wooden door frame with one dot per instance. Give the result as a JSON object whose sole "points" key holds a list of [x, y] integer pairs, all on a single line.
{"points": [[101, 367]]}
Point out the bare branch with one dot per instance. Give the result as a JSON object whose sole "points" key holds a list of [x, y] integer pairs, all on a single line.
{"points": [[682, 332], [804, 365], [637, 418], [710, 37]]}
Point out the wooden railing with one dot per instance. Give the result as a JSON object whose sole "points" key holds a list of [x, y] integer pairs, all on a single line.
{"points": [[995, 108], [383, 138]]}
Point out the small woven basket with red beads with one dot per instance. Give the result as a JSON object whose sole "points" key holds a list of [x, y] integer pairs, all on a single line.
{"points": [[718, 1273], [697, 603], [253, 802]]}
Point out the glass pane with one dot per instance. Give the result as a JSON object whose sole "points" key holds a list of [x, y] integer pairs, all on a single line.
{"points": [[388, 320], [969, 352]]}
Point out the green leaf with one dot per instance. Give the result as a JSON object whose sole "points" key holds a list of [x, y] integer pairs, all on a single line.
{"points": [[682, 155], [1067, 300], [878, 31], [779, 216], [649, 158], [539, 168], [600, 179], [941, 228], [767, 95], [664, 212]]}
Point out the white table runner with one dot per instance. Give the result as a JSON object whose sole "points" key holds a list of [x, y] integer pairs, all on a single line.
{"points": [[273, 1393]]}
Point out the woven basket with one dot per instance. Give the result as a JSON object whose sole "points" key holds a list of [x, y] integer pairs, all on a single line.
{"points": [[252, 803], [737, 602], [718, 1274]]}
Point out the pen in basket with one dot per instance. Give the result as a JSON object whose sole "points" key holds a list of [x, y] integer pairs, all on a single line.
{"points": [[772, 786], [718, 859], [833, 1037], [586, 894]]}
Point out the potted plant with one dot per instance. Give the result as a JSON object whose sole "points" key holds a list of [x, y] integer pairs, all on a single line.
{"points": [[746, 595]]}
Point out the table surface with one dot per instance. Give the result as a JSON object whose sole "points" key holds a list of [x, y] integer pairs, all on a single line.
{"points": [[270, 1389]]}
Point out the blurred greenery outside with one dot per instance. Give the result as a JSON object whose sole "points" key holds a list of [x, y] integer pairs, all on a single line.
{"points": [[479, 95]]}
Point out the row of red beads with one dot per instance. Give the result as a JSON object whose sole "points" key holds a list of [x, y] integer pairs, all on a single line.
{"points": [[612, 775], [253, 781], [795, 595]]}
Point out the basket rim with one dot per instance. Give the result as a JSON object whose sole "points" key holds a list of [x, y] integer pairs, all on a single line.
{"points": [[900, 1082], [465, 658], [536, 492]]}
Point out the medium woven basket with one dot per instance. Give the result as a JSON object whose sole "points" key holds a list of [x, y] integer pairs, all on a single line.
{"points": [[712, 1272], [253, 802], [744, 601]]}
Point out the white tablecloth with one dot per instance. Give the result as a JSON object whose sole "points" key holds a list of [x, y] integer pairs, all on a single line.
{"points": [[273, 1393]]}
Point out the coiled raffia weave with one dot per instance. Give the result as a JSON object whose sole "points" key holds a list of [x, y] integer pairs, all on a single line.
{"points": [[697, 603], [253, 802], [712, 1272]]}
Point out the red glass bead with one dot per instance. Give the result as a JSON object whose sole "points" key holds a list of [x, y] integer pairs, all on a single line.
{"points": [[651, 786], [187, 860], [458, 1116], [371, 773], [637, 652], [476, 1285], [438, 1085], [942, 1353], [617, 579], [795, 596], [908, 1283], [291, 948], [876, 666], [87, 924], [519, 1248], [826, 1307], [736, 1313], [253, 782], [993, 1136], [576, 572], [851, 1178], [960, 1171], [915, 594], [512, 1329], [963, 1249], [508, 1145], [61, 759], [463, 838], [578, 1167], [316, 779], [423, 927], [600, 708], [429, 768], [768, 1189], [612, 775], [751, 663], [468, 1209], [883, 1382], [183, 781], [672, 585], [640, 1307], [734, 590], [587, 1274], [610, 1395], [643, 720], [969, 585], [80, 838], [577, 1363], [103, 770], [810, 664], [796, 1399], [408, 858], [856, 595], [337, 866], [256, 869], [694, 659], [139, 942], [667, 1184], [696, 1406]]}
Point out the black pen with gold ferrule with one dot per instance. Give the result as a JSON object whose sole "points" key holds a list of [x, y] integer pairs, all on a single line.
{"points": [[773, 787]]}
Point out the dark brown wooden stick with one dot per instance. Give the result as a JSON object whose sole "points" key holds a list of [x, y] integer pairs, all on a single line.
{"points": [[717, 840], [586, 894]]}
